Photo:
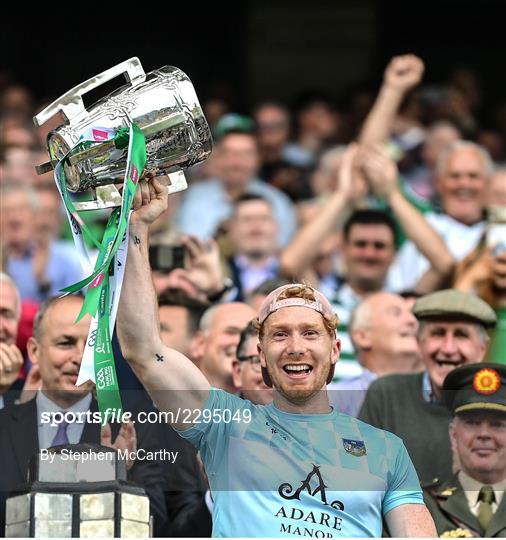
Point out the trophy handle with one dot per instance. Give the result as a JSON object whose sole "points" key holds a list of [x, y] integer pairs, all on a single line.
{"points": [[71, 103]]}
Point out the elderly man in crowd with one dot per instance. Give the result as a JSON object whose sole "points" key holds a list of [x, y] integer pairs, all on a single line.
{"points": [[383, 331], [452, 333], [298, 351], [461, 178], [216, 341], [463, 173], [472, 502], [11, 358]]}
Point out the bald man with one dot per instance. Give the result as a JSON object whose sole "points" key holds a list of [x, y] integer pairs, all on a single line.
{"points": [[215, 343], [383, 332]]}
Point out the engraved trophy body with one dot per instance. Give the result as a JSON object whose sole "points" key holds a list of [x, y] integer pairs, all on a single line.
{"points": [[164, 105]]}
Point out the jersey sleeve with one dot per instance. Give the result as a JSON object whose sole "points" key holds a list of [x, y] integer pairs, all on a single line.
{"points": [[403, 483]]}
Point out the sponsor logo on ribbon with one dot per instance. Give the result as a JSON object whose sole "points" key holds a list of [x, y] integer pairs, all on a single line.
{"points": [[134, 174], [102, 306], [97, 281], [105, 377], [100, 135]]}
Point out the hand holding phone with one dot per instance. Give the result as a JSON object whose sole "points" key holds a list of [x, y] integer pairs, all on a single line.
{"points": [[164, 257]]}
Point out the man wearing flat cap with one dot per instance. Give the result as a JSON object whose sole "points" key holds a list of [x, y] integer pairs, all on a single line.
{"points": [[452, 333], [472, 502]]}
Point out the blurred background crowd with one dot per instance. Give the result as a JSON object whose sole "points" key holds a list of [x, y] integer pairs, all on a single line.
{"points": [[377, 196]]}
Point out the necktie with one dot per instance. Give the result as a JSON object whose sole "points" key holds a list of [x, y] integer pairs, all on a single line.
{"points": [[61, 435], [487, 497]]}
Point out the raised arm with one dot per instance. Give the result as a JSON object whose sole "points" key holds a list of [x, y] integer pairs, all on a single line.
{"points": [[171, 379], [402, 74], [302, 250], [381, 173]]}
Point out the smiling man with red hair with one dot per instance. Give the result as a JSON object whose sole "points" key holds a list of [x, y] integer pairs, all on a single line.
{"points": [[293, 466]]}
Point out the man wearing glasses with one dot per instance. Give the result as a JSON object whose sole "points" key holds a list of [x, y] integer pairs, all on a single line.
{"points": [[247, 369]]}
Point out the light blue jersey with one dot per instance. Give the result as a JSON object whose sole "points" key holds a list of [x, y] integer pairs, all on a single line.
{"points": [[312, 476]]}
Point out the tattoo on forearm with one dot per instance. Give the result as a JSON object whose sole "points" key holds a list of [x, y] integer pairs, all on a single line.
{"points": [[137, 240], [159, 357]]}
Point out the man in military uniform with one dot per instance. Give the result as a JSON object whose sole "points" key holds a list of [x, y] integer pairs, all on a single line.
{"points": [[452, 333], [472, 503]]}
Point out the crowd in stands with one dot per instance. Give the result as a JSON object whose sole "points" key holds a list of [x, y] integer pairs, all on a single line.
{"points": [[393, 213]]}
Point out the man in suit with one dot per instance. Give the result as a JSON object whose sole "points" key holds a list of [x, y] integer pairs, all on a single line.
{"points": [[473, 500], [57, 347]]}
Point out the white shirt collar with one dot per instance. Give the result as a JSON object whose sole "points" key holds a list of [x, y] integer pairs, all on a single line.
{"points": [[456, 223], [243, 263]]}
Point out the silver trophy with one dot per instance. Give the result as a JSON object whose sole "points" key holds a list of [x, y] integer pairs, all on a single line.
{"points": [[164, 105]]}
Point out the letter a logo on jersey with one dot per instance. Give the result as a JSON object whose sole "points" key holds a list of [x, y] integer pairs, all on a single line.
{"points": [[287, 492]]}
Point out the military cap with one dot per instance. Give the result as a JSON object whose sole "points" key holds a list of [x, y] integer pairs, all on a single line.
{"points": [[480, 386], [452, 304]]}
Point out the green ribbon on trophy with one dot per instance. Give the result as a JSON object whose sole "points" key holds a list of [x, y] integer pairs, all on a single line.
{"points": [[97, 301]]}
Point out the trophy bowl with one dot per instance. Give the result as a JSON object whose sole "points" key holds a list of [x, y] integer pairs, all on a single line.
{"points": [[163, 104]]}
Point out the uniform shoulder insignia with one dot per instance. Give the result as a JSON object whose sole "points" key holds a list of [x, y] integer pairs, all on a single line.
{"points": [[447, 492], [437, 490], [431, 485]]}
